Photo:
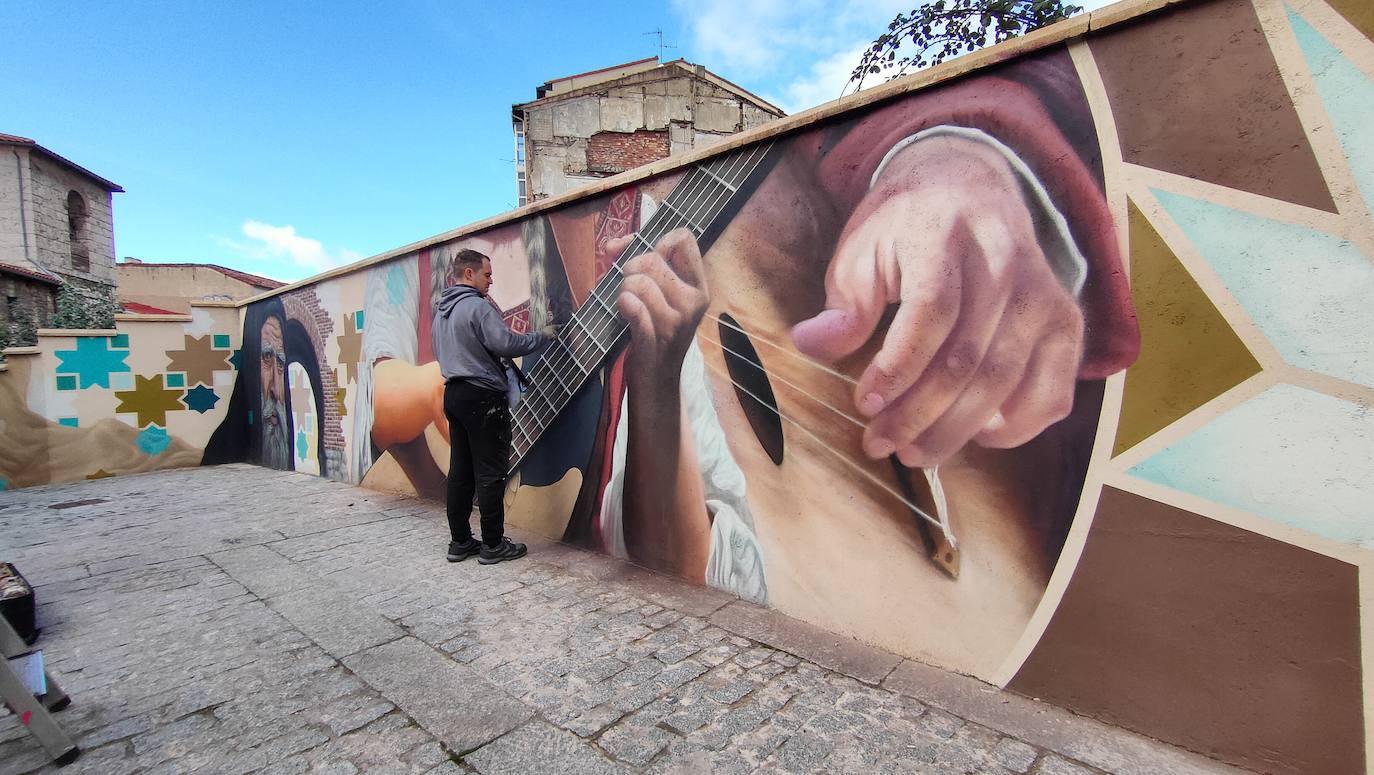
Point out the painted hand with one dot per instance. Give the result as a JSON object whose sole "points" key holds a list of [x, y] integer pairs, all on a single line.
{"points": [[663, 299], [985, 342]]}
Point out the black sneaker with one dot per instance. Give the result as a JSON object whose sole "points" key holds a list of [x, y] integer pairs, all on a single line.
{"points": [[457, 552], [506, 550]]}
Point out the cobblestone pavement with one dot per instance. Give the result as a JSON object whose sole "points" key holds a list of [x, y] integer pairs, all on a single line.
{"points": [[235, 619]]}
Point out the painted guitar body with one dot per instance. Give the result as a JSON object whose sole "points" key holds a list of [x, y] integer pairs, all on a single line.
{"points": [[843, 546]]}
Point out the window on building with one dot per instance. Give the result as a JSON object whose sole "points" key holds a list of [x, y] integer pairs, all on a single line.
{"points": [[76, 231], [522, 194]]}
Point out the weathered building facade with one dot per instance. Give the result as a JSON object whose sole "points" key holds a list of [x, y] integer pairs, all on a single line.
{"points": [[594, 125], [56, 228], [173, 287]]}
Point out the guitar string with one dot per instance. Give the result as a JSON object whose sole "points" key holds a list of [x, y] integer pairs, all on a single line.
{"points": [[687, 215], [786, 351], [559, 360], [693, 186], [565, 355], [837, 453], [601, 330], [568, 356], [775, 378]]}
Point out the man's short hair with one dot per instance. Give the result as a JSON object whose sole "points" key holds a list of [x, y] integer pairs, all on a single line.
{"points": [[468, 259]]}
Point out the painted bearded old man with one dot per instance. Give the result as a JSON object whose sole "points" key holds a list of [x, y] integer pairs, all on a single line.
{"points": [[259, 427]]}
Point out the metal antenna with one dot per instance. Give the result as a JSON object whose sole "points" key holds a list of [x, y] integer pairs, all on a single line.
{"points": [[661, 45]]}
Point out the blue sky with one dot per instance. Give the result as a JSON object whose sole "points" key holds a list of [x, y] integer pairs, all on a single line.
{"points": [[287, 138]]}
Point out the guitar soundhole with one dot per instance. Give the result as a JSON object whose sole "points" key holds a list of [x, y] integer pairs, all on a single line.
{"points": [[752, 388]]}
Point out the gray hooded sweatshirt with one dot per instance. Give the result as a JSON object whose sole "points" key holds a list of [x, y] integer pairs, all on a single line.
{"points": [[469, 335]]}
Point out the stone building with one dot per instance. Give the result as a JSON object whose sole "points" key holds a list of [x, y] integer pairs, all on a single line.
{"points": [[56, 228], [592, 125], [161, 288]]}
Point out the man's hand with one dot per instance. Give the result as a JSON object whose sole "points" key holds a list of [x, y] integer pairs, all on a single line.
{"points": [[985, 343], [663, 298], [549, 330]]}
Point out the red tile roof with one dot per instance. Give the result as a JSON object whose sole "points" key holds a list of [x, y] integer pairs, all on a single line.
{"points": [[17, 140], [145, 309], [33, 273]]}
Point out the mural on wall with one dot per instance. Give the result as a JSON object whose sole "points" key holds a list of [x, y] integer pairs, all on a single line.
{"points": [[854, 373], [1057, 374], [141, 398], [278, 415]]}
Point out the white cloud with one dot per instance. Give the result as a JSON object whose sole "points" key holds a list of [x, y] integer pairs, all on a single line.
{"points": [[758, 37], [284, 242], [282, 252], [828, 79], [798, 53]]}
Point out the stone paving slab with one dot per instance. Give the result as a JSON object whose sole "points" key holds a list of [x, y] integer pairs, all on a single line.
{"points": [[334, 620], [449, 700], [202, 627], [264, 572]]}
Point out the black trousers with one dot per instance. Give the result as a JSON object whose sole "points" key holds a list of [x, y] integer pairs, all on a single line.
{"points": [[479, 453]]}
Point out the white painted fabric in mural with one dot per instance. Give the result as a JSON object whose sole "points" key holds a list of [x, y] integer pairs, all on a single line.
{"points": [[391, 309], [735, 563]]}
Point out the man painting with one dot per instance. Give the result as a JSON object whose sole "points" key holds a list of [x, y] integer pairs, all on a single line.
{"points": [[470, 340]]}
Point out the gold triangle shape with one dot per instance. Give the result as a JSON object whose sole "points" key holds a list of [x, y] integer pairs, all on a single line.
{"points": [[1188, 352]]}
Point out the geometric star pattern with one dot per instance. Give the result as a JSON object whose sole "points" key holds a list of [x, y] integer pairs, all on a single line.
{"points": [[1328, 327], [199, 359], [1260, 457], [1188, 353], [92, 361], [154, 440], [150, 400], [200, 399], [302, 399], [1348, 96], [350, 347]]}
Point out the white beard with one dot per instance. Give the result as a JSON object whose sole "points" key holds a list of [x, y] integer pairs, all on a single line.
{"points": [[276, 448]]}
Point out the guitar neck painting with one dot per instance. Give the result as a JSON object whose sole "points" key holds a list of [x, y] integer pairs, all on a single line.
{"points": [[701, 203]]}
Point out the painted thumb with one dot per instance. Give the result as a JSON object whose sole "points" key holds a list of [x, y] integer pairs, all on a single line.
{"points": [[832, 334]]}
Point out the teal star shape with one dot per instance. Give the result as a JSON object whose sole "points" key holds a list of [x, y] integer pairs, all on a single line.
{"points": [[92, 361], [200, 399], [153, 440], [302, 444]]}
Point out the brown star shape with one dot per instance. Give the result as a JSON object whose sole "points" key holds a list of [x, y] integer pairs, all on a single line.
{"points": [[300, 400], [350, 347], [150, 400], [100, 474], [199, 359], [339, 400]]}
